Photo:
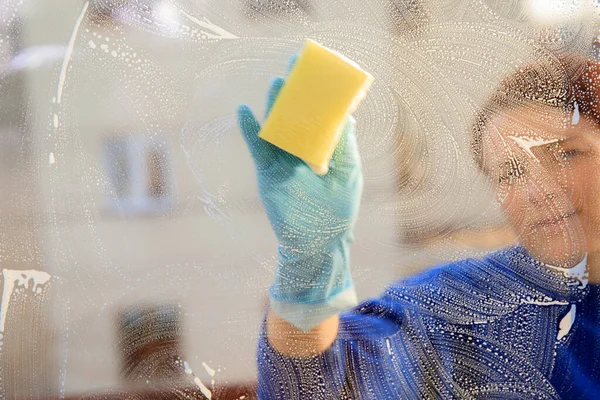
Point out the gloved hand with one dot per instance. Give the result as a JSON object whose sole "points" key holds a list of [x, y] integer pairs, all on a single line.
{"points": [[312, 217]]}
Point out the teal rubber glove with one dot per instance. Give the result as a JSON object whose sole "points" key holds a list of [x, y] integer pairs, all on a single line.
{"points": [[312, 217]]}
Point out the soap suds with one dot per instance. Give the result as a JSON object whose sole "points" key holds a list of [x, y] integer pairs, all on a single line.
{"points": [[566, 323], [68, 53], [16, 278], [527, 143]]}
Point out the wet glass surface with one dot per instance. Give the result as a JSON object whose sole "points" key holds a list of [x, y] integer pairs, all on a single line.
{"points": [[139, 235]]}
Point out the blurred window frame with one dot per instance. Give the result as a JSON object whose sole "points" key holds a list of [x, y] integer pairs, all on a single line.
{"points": [[138, 173]]}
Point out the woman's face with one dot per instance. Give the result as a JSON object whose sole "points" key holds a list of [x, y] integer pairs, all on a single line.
{"points": [[544, 165]]}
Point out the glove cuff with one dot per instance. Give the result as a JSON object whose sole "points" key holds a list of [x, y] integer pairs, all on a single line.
{"points": [[306, 316]]}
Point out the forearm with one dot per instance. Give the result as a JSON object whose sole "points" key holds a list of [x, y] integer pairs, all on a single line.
{"points": [[293, 342]]}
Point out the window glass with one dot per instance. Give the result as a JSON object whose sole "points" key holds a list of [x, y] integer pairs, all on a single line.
{"points": [[146, 232]]}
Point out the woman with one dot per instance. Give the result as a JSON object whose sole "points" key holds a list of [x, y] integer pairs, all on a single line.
{"points": [[519, 323]]}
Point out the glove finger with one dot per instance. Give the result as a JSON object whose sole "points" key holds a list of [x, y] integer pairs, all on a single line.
{"points": [[346, 154], [260, 150], [276, 85], [292, 62]]}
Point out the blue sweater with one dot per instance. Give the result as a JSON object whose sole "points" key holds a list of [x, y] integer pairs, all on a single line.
{"points": [[501, 327]]}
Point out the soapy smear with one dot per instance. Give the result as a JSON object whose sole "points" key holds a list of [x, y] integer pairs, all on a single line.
{"points": [[579, 273], [527, 143], [69, 52], [210, 31], [567, 322], [203, 388], [19, 278], [575, 118]]}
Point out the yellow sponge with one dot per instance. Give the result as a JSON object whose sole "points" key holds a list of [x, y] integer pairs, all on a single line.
{"points": [[310, 111]]}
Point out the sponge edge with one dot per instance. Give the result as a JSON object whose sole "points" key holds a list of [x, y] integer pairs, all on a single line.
{"points": [[310, 112]]}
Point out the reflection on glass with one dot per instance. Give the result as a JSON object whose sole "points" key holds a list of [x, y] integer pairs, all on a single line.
{"points": [[137, 171], [150, 340]]}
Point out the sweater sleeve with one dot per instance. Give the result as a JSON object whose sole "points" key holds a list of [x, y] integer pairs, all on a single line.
{"points": [[333, 374]]}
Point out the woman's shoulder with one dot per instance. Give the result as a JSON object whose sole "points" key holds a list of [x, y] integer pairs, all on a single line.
{"points": [[472, 290], [474, 268]]}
